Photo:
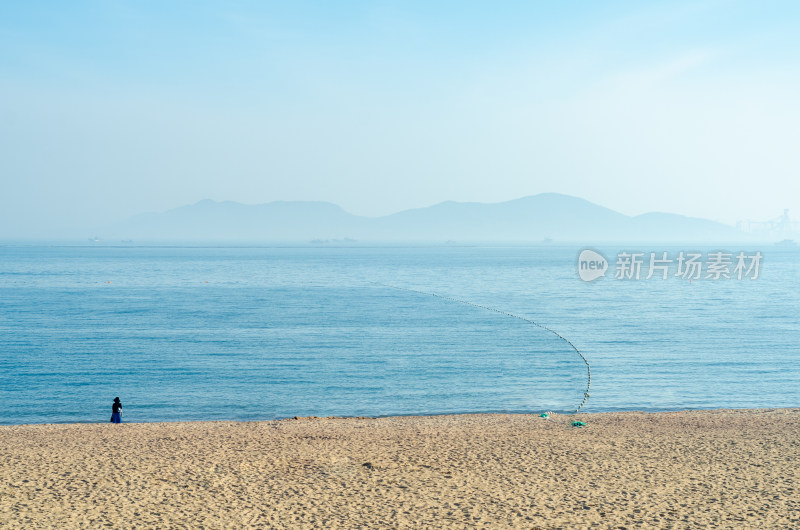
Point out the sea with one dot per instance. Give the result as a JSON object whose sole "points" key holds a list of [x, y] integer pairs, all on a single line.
{"points": [[246, 333]]}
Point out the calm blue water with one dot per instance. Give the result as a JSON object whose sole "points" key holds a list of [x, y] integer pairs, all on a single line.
{"points": [[263, 333]]}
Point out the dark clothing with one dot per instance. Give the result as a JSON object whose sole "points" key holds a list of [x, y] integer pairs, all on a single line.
{"points": [[116, 412]]}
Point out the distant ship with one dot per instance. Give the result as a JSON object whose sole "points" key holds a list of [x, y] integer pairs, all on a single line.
{"points": [[787, 243]]}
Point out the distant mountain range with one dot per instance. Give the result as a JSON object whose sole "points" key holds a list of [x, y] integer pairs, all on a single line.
{"points": [[547, 216]]}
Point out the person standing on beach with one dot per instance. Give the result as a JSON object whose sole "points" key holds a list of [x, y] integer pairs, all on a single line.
{"points": [[116, 411]]}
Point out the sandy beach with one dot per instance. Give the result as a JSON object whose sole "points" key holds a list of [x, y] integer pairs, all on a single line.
{"points": [[723, 468]]}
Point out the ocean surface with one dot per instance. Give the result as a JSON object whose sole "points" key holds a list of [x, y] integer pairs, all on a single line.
{"points": [[218, 333]]}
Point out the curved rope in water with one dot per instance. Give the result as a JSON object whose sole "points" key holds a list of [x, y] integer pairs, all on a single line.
{"points": [[505, 313]]}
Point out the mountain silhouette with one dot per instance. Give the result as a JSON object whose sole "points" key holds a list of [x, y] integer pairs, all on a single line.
{"points": [[529, 219]]}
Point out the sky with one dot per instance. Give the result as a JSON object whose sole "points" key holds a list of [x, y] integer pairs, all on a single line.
{"points": [[113, 108]]}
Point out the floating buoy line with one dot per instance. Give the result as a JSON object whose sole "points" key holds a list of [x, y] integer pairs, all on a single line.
{"points": [[512, 315]]}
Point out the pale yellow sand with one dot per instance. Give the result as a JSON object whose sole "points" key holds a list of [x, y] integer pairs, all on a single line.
{"points": [[724, 469]]}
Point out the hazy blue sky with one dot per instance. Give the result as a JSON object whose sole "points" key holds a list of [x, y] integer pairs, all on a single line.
{"points": [[111, 108]]}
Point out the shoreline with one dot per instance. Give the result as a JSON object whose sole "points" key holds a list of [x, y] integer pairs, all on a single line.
{"points": [[413, 415], [720, 467]]}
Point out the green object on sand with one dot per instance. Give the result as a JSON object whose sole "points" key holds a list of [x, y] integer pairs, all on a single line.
{"points": [[544, 415], [578, 424]]}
